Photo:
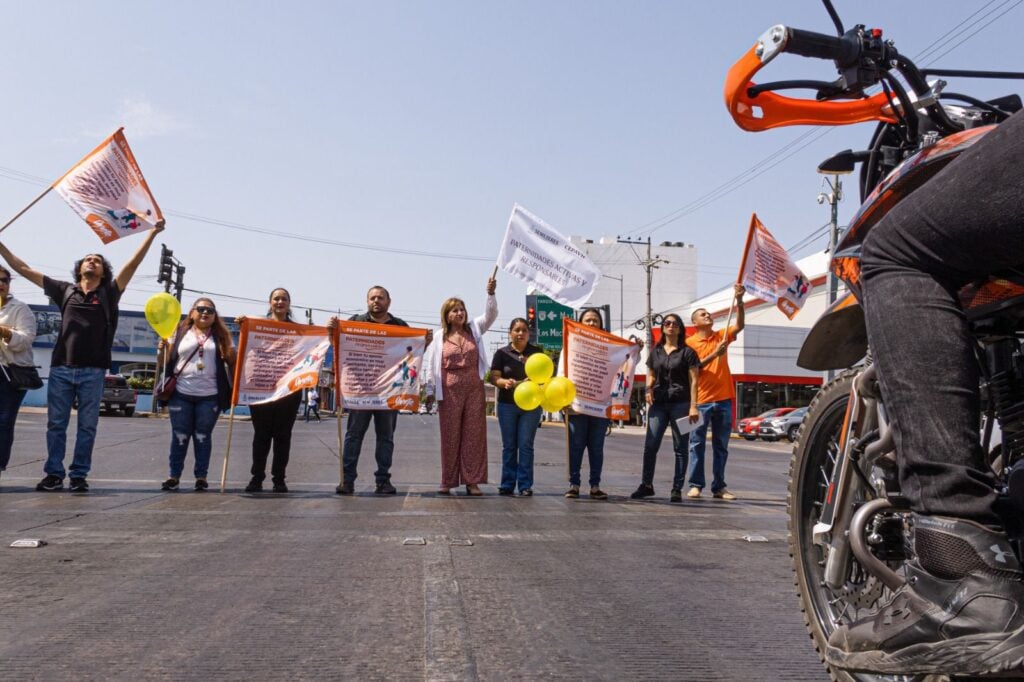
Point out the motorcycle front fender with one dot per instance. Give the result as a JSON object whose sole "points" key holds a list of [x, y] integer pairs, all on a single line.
{"points": [[839, 339]]}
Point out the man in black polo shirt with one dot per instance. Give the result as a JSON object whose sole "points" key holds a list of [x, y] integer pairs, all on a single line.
{"points": [[378, 301], [81, 355]]}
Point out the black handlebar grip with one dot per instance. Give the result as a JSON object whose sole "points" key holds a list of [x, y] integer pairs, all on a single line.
{"points": [[843, 50]]}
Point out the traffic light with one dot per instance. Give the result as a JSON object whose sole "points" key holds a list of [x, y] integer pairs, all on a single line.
{"points": [[179, 284], [531, 317], [166, 266]]}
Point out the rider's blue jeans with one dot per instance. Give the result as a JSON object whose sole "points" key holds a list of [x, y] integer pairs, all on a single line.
{"points": [[964, 223]]}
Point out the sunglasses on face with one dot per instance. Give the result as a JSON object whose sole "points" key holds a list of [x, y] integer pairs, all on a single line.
{"points": [[205, 310], [5, 280], [670, 323]]}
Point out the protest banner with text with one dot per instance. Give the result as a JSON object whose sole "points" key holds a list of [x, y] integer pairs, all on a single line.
{"points": [[276, 359], [107, 190], [536, 253], [601, 365], [378, 366], [769, 273]]}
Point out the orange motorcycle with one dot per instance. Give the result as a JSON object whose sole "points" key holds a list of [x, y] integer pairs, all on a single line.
{"points": [[847, 530]]}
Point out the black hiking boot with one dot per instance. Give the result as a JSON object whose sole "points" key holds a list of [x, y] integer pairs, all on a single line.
{"points": [[959, 613]]}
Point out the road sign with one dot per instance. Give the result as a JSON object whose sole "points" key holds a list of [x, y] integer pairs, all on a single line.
{"points": [[549, 321]]}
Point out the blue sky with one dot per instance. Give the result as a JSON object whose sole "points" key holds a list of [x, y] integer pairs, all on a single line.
{"points": [[416, 125]]}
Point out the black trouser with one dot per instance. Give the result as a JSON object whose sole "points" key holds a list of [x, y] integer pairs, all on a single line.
{"points": [[965, 223], [272, 423]]}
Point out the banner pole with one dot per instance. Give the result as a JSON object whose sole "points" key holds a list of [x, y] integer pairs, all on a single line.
{"points": [[568, 453], [341, 452], [227, 450], [24, 210]]}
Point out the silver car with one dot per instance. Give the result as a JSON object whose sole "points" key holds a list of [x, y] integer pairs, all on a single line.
{"points": [[785, 426]]}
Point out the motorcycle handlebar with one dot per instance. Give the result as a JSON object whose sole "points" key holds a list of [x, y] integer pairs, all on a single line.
{"points": [[761, 111], [821, 46]]}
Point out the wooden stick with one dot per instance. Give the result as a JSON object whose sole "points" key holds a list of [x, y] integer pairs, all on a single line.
{"points": [[22, 211], [568, 445], [341, 450], [493, 274], [227, 450]]}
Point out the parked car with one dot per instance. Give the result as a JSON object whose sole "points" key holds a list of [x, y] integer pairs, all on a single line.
{"points": [[117, 395], [785, 426], [747, 428]]}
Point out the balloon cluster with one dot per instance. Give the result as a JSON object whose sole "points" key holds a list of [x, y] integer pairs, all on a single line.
{"points": [[541, 390], [163, 312]]}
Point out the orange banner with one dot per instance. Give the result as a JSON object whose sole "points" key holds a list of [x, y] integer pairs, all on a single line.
{"points": [[378, 366], [276, 359], [601, 365]]}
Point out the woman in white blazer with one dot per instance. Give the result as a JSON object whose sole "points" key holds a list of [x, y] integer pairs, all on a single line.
{"points": [[455, 365]]}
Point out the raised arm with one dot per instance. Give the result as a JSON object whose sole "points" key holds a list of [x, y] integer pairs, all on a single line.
{"points": [[739, 290], [20, 267], [485, 321], [128, 271]]}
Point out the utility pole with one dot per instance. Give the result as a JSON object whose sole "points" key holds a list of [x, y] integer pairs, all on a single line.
{"points": [[649, 264], [832, 197]]}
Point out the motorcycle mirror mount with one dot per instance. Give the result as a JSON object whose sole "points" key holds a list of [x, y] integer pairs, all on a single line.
{"points": [[842, 163]]}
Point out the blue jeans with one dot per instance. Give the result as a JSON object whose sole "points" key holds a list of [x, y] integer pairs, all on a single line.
{"points": [[384, 423], [661, 416], [67, 383], [192, 418], [719, 415], [10, 401], [586, 433], [518, 428]]}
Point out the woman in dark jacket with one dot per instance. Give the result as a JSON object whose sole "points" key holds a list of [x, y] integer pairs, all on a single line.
{"points": [[200, 359], [672, 369]]}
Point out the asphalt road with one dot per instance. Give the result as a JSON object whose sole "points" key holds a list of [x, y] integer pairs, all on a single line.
{"points": [[138, 583]]}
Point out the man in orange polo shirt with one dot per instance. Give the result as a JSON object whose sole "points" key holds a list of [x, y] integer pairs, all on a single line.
{"points": [[714, 398]]}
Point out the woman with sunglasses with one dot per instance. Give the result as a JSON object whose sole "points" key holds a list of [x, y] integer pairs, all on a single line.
{"points": [[201, 357], [671, 393], [17, 331], [272, 422]]}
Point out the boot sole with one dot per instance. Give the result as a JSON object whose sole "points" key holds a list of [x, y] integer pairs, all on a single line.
{"points": [[976, 655]]}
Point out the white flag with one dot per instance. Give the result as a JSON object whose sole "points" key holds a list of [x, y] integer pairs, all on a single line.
{"points": [[536, 253], [770, 274]]}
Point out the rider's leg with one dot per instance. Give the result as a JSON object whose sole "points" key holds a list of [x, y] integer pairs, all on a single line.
{"points": [[964, 223]]}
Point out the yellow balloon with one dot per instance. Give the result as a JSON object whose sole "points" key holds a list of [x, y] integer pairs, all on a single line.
{"points": [[163, 312], [549, 406], [528, 395], [560, 391], [539, 367]]}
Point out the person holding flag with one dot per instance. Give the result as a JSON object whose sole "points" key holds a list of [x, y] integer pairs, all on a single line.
{"points": [[714, 397], [454, 369], [81, 354]]}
